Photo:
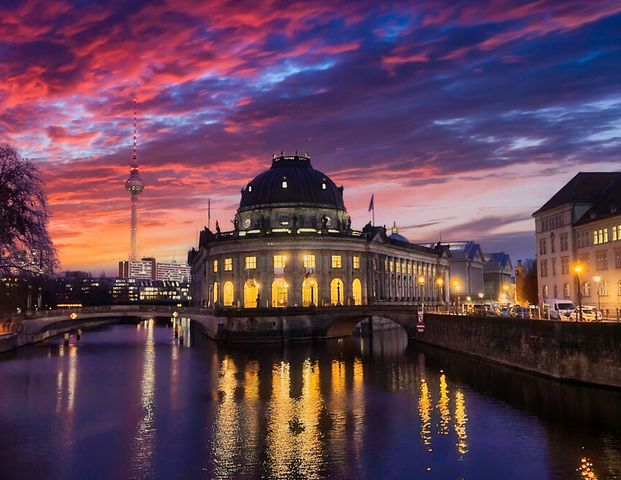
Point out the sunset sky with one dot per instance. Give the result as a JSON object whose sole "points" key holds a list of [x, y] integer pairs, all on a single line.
{"points": [[462, 120]]}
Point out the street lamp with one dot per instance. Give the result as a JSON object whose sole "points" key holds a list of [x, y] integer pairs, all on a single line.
{"points": [[440, 284], [597, 279], [579, 269], [421, 284]]}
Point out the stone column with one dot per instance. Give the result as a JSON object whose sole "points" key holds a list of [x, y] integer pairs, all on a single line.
{"points": [[294, 278]]}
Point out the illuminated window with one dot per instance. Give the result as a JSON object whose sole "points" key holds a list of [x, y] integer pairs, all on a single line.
{"points": [[356, 289], [595, 242], [605, 235], [251, 263], [336, 261], [323, 185], [227, 293], [280, 261], [309, 261], [398, 266], [356, 262], [215, 265], [284, 182], [228, 264], [392, 266], [250, 188], [336, 291]]}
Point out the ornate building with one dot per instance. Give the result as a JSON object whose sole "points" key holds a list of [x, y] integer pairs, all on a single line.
{"points": [[293, 245], [580, 226]]}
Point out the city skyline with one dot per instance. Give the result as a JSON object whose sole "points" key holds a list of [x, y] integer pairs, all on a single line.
{"points": [[461, 121]]}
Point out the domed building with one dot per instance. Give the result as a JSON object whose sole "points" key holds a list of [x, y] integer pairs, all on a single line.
{"points": [[293, 244]]}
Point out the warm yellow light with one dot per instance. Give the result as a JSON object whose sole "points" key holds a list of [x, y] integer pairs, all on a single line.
{"points": [[456, 284], [480, 295], [505, 287], [469, 298], [578, 268], [439, 281], [597, 279], [421, 280]]}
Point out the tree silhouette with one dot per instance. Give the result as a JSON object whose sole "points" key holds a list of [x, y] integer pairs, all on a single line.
{"points": [[25, 245]]}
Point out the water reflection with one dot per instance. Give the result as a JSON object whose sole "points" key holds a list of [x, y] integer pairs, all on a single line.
{"points": [[349, 409], [144, 439]]}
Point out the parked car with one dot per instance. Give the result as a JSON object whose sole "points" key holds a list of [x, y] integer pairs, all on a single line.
{"points": [[506, 311], [521, 312], [479, 309], [589, 314], [555, 309]]}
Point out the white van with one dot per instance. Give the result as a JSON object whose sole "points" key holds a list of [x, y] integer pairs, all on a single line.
{"points": [[557, 309]]}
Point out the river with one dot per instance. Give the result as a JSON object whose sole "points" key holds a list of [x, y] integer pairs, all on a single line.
{"points": [[134, 401]]}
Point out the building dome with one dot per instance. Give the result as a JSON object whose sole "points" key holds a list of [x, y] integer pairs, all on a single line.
{"points": [[291, 182], [395, 235]]}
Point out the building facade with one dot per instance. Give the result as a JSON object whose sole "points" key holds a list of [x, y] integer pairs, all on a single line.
{"points": [[173, 271], [293, 245], [580, 226], [498, 277]]}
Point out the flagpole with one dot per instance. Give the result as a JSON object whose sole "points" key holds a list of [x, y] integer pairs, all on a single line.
{"points": [[209, 214]]}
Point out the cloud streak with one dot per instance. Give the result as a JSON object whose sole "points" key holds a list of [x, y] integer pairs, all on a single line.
{"points": [[444, 110]]}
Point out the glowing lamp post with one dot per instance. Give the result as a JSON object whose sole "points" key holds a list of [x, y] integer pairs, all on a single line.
{"points": [[597, 279], [578, 269], [440, 284], [421, 285]]}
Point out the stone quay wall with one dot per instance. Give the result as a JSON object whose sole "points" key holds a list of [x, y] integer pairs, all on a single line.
{"points": [[588, 353]]}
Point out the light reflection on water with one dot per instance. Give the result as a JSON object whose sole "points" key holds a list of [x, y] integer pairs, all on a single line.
{"points": [[142, 405]]}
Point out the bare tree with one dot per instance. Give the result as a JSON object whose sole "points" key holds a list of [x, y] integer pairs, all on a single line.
{"points": [[25, 245], [526, 281]]}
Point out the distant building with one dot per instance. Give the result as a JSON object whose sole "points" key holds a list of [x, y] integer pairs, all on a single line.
{"points": [[145, 269], [131, 290], [178, 272], [498, 277], [149, 269], [466, 266], [581, 225]]}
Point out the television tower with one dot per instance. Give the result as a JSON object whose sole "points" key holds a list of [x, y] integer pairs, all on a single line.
{"points": [[134, 186]]}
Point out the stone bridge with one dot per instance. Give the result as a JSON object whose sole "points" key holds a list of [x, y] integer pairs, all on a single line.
{"points": [[233, 325]]}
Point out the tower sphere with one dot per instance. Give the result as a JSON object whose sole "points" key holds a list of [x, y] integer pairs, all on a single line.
{"points": [[134, 184]]}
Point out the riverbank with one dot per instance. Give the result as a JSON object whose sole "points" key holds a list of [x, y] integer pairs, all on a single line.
{"points": [[583, 353]]}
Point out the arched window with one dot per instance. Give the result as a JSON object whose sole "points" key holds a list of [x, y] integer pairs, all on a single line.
{"points": [[356, 291], [228, 294], [251, 294], [309, 291], [216, 289], [336, 291], [280, 293], [586, 289]]}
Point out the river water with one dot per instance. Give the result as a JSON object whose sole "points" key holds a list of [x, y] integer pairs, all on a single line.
{"points": [[133, 401]]}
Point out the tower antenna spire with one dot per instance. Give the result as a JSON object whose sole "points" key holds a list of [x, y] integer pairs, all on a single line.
{"points": [[134, 186], [134, 152]]}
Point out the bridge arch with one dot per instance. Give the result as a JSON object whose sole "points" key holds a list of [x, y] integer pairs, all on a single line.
{"points": [[343, 325]]}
